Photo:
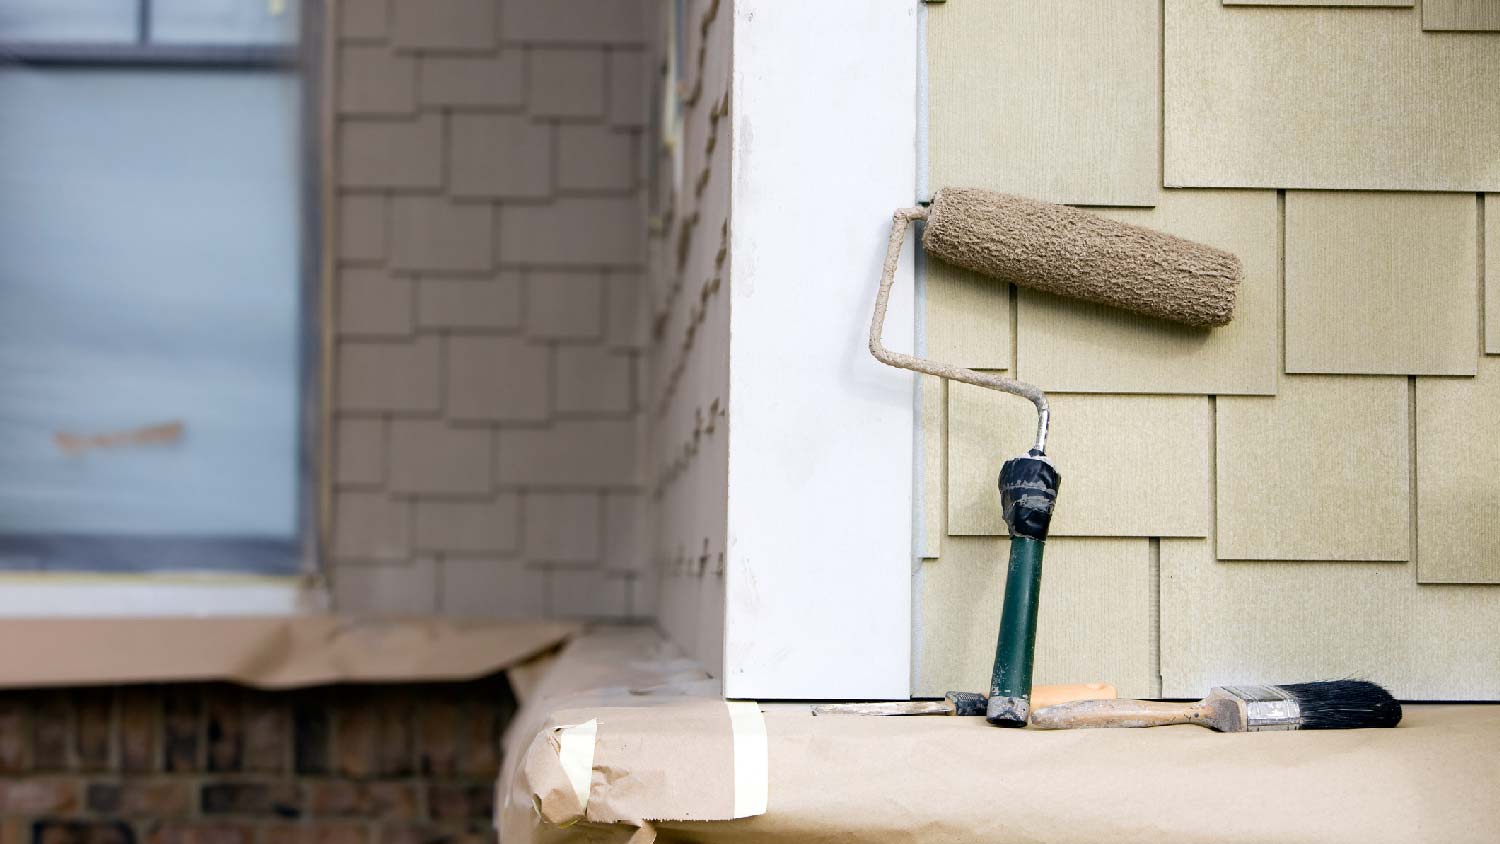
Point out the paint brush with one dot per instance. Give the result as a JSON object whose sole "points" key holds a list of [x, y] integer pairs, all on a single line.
{"points": [[1327, 705]]}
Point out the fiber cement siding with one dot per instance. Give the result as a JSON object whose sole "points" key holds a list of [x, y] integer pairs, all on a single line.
{"points": [[934, 463], [1353, 99], [1131, 465], [1330, 509], [1381, 283], [1458, 487], [1366, 3], [1279, 622], [1071, 346], [1320, 472], [1490, 255], [1461, 15], [968, 317], [1094, 622], [1055, 100]]}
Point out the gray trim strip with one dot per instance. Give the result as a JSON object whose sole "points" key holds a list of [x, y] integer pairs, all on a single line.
{"points": [[204, 56], [134, 554]]}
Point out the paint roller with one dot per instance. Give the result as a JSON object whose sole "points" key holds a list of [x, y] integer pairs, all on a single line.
{"points": [[1066, 252]]}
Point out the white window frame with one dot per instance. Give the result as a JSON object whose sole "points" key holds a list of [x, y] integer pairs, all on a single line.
{"points": [[166, 593]]}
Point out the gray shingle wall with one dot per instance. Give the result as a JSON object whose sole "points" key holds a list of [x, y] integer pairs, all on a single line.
{"points": [[490, 239], [689, 283]]}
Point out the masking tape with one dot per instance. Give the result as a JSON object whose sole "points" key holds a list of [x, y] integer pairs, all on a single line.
{"points": [[575, 750], [751, 758], [576, 743]]}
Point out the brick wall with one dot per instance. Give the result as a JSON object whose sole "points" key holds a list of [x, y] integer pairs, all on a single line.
{"points": [[489, 331], [218, 764], [489, 234]]}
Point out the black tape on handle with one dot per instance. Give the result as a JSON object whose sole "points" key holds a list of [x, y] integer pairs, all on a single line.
{"points": [[1028, 493]]}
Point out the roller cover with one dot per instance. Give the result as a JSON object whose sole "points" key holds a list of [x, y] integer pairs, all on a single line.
{"points": [[1073, 253]]}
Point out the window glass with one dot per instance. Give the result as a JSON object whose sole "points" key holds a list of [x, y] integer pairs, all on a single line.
{"points": [[224, 21], [68, 20], [149, 304]]}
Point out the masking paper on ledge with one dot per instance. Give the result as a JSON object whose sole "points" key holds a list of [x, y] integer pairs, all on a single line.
{"points": [[265, 652], [624, 742]]}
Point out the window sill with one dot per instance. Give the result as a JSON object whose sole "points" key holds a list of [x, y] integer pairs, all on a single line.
{"points": [[150, 596]]}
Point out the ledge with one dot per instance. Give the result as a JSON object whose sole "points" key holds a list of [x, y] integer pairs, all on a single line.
{"points": [[620, 739], [269, 652]]}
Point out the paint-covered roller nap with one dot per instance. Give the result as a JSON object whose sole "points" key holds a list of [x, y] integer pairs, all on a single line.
{"points": [[1073, 253]]}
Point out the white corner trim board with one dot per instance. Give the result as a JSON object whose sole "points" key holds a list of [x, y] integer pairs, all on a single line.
{"points": [[823, 150]]}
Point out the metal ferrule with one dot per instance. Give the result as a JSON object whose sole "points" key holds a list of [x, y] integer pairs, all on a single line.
{"points": [[1268, 708]]}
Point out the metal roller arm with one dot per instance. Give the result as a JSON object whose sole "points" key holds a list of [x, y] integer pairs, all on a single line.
{"points": [[900, 222]]}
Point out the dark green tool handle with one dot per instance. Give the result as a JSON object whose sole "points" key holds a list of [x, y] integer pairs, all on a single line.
{"points": [[1028, 491], [1011, 677]]}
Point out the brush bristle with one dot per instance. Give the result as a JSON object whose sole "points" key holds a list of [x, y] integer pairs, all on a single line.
{"points": [[1344, 705]]}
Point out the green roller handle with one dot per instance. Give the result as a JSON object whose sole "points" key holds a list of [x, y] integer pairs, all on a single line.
{"points": [[1010, 682]]}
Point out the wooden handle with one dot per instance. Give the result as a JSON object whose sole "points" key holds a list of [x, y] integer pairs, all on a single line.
{"points": [[1044, 696], [1084, 714]]}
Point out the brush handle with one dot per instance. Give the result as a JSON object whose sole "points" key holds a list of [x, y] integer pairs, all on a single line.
{"points": [[1084, 714]]}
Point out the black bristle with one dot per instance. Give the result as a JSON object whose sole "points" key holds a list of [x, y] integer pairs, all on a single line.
{"points": [[1344, 705]]}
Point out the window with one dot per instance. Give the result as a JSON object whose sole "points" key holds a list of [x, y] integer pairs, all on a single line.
{"points": [[158, 264]]}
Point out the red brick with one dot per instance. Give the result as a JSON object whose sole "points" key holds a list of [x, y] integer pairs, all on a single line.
{"points": [[139, 799], [393, 748], [93, 728], [392, 800], [267, 734], [428, 834], [81, 832], [277, 832], [182, 710], [333, 797], [15, 735], [140, 728], [226, 729], [36, 796], [376, 738], [334, 833], [51, 718], [437, 737], [479, 754], [313, 735], [461, 802], [200, 833], [373, 735], [354, 729], [461, 737], [345, 798], [283, 799]]}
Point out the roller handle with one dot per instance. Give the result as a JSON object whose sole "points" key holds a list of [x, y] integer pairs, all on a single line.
{"points": [[1028, 491], [989, 380], [1010, 681]]}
